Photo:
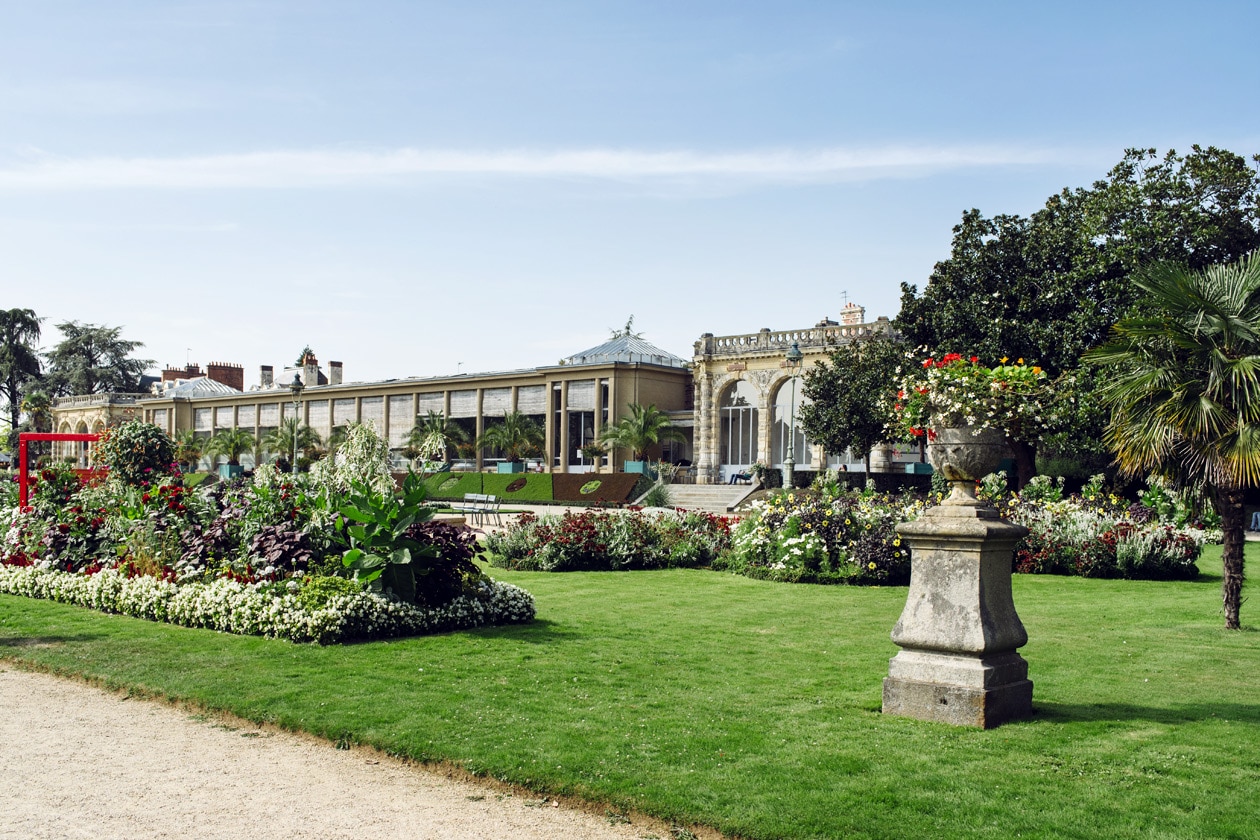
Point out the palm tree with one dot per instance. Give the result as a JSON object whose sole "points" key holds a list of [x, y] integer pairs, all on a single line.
{"points": [[19, 362], [516, 436], [279, 441], [1184, 392], [231, 443], [643, 428], [435, 435], [38, 410], [189, 448]]}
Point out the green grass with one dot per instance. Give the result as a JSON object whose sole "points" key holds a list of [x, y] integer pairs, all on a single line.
{"points": [[537, 486], [753, 707], [452, 485]]}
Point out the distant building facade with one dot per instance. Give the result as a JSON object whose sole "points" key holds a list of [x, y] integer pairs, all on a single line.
{"points": [[732, 399], [743, 396]]}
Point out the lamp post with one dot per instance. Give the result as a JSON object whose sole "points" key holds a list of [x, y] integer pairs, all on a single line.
{"points": [[295, 387], [793, 364]]}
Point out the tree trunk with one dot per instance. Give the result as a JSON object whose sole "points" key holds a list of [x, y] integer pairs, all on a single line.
{"points": [[1025, 462], [1230, 505]]}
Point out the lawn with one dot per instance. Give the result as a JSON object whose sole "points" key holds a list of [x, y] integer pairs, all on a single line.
{"points": [[753, 707]]}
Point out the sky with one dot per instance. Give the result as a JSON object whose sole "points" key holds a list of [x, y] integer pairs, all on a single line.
{"points": [[428, 188]]}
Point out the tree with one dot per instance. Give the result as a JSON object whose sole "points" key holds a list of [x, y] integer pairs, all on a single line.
{"points": [[231, 444], [1183, 387], [19, 361], [642, 428], [38, 409], [1048, 287], [434, 435], [517, 436], [279, 441], [189, 448], [93, 359], [848, 395]]}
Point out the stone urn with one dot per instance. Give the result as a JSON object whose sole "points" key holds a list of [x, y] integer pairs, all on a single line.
{"points": [[964, 456]]}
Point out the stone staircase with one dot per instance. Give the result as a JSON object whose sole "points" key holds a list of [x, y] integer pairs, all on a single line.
{"points": [[714, 498]]}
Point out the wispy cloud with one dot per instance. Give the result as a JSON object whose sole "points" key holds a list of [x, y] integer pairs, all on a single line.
{"points": [[340, 168]]}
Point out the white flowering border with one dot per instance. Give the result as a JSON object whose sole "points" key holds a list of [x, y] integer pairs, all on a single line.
{"points": [[232, 607]]}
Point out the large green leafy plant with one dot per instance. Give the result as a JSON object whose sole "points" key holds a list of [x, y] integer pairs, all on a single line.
{"points": [[381, 553], [136, 452]]}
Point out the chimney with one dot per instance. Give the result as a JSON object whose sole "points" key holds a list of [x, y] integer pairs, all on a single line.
{"points": [[851, 314], [310, 370], [230, 375], [267, 377], [173, 374], [334, 373]]}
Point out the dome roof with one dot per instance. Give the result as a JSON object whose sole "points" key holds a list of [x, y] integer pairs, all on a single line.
{"points": [[626, 348]]}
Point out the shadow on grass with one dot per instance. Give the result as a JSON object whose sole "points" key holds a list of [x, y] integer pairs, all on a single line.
{"points": [[1052, 712], [537, 632], [45, 641]]}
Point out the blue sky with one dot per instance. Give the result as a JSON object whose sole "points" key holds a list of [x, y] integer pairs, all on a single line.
{"points": [[419, 188]]}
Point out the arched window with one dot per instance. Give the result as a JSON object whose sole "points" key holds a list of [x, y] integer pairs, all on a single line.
{"points": [[782, 416], [737, 413]]}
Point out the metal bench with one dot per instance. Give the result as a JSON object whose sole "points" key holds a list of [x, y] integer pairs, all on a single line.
{"points": [[480, 507]]}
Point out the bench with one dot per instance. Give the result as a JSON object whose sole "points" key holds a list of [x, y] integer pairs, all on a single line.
{"points": [[480, 507]]}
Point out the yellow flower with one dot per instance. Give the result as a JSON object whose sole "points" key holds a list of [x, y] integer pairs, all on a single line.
{"points": [[1036, 369], [1003, 360], [1019, 361], [896, 541], [871, 565]]}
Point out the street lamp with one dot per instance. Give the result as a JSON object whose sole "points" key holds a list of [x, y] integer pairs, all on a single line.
{"points": [[793, 363], [295, 387]]}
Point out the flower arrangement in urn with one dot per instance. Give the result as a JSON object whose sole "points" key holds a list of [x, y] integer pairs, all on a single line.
{"points": [[968, 413], [959, 392]]}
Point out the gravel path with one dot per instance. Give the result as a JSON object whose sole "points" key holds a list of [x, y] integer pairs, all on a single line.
{"points": [[79, 762]]}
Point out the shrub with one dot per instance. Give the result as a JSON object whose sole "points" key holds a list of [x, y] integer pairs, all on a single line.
{"points": [[609, 540], [137, 452], [445, 568]]}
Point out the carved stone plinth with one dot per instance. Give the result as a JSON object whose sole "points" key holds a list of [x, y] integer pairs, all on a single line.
{"points": [[959, 630]]}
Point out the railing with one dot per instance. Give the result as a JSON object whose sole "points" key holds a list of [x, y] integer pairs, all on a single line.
{"points": [[82, 400], [766, 340]]}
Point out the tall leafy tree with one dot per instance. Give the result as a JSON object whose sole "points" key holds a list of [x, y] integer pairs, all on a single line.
{"points": [[848, 395], [19, 360], [1046, 288], [1183, 386], [94, 359]]}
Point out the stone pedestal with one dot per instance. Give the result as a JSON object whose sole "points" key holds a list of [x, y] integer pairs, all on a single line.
{"points": [[959, 630]]}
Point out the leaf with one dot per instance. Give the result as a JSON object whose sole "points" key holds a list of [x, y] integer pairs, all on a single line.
{"points": [[350, 512]]}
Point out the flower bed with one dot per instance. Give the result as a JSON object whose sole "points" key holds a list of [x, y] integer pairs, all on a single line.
{"points": [[1099, 535], [609, 540], [824, 536], [230, 606], [829, 536], [339, 554]]}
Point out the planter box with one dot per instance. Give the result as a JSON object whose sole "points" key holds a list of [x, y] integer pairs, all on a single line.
{"points": [[511, 467], [229, 471], [919, 469], [636, 467]]}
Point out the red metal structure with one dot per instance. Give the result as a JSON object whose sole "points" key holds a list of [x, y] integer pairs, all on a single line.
{"points": [[24, 438]]}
